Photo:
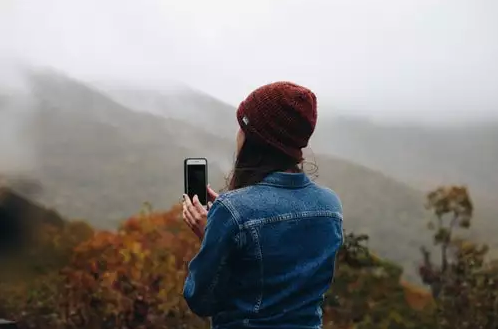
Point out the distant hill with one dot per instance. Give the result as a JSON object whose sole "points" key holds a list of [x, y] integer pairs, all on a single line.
{"points": [[390, 212], [178, 102], [99, 160], [424, 157], [421, 155]]}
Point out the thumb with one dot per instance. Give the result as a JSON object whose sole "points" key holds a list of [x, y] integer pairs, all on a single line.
{"points": [[212, 193], [209, 205]]}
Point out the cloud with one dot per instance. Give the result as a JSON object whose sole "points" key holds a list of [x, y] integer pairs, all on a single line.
{"points": [[416, 59]]}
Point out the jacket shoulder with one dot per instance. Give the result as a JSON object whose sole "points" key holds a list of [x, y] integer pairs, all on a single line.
{"points": [[329, 196], [237, 194]]}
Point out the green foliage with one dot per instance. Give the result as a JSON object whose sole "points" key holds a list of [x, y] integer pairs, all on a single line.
{"points": [[368, 293], [464, 285]]}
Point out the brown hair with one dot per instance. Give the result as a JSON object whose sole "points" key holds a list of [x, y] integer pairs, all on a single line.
{"points": [[256, 160]]}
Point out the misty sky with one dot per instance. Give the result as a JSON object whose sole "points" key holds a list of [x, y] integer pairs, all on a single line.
{"points": [[420, 59]]}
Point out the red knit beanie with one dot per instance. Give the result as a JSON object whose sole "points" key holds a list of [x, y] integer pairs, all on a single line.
{"points": [[281, 114]]}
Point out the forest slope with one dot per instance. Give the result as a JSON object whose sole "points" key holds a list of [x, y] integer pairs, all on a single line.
{"points": [[98, 160]]}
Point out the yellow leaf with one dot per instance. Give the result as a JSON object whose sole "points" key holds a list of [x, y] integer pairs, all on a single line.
{"points": [[126, 255], [136, 247]]}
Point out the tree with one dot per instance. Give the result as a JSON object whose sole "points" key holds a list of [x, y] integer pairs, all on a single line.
{"points": [[463, 284], [367, 292], [452, 208], [131, 278]]}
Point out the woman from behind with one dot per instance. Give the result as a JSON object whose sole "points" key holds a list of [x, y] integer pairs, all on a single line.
{"points": [[269, 244]]}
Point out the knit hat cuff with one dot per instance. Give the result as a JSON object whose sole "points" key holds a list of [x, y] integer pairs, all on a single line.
{"points": [[245, 125]]}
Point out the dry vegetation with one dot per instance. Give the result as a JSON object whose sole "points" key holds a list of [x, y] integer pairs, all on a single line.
{"points": [[74, 276], [99, 160]]}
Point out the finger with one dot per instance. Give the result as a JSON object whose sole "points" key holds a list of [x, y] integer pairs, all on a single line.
{"points": [[184, 204], [212, 194], [187, 200], [191, 224], [198, 206], [190, 221], [188, 216], [186, 219], [190, 207], [210, 204], [184, 208]]}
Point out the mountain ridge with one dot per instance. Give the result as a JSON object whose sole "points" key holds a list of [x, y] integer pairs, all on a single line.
{"points": [[99, 160], [416, 155]]}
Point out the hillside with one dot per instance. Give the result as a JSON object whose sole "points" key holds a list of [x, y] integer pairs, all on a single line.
{"points": [[178, 102], [421, 155], [98, 160], [424, 157], [390, 212]]}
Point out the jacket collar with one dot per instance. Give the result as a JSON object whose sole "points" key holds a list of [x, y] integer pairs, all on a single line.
{"points": [[286, 180]]}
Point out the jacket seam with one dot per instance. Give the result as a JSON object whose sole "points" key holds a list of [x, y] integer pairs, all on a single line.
{"points": [[259, 300], [223, 261], [233, 212], [288, 186], [236, 218], [236, 192], [290, 216]]}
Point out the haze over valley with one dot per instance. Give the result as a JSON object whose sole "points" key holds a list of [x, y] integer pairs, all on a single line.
{"points": [[98, 152], [98, 108]]}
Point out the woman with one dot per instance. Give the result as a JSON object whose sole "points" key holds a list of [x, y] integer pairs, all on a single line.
{"points": [[268, 244]]}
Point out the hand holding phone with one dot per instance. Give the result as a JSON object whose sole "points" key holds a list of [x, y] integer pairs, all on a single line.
{"points": [[196, 195], [195, 177]]}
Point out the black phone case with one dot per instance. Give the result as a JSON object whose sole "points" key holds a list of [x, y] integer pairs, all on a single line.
{"points": [[185, 173]]}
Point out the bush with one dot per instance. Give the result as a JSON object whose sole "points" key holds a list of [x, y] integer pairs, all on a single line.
{"points": [[367, 292], [133, 278], [463, 282], [129, 278]]}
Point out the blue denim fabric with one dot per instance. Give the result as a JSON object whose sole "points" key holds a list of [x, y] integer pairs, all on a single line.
{"points": [[268, 255]]}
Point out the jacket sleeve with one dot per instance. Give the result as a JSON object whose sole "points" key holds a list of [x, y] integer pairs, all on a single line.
{"points": [[203, 290]]}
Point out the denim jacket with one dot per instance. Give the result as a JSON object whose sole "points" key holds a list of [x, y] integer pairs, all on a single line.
{"points": [[268, 255]]}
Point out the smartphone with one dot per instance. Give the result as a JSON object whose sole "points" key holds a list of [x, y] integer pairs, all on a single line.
{"points": [[195, 173]]}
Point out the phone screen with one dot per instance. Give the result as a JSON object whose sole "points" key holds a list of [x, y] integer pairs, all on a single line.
{"points": [[196, 182]]}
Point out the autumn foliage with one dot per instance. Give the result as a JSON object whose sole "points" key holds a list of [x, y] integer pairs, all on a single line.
{"points": [[132, 277], [124, 279], [76, 277]]}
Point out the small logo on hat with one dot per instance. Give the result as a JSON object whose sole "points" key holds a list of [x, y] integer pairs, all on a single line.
{"points": [[245, 120]]}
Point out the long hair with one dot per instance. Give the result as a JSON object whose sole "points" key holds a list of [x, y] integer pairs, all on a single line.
{"points": [[256, 160]]}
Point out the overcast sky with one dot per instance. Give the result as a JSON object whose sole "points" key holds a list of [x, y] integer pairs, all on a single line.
{"points": [[424, 59]]}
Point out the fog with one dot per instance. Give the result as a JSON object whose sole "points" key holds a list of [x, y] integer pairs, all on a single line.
{"points": [[423, 60], [16, 153]]}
